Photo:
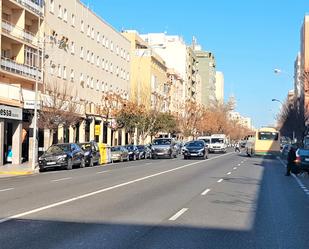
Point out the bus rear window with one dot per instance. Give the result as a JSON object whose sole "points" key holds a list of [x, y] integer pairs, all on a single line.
{"points": [[268, 136]]}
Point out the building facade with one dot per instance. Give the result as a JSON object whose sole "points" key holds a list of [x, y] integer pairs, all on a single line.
{"points": [[304, 56], [207, 70], [220, 87], [94, 61], [20, 70]]}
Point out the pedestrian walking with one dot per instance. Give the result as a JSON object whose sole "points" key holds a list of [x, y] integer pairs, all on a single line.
{"points": [[237, 147], [291, 160]]}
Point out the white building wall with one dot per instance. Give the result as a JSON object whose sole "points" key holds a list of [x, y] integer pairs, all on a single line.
{"points": [[220, 87]]}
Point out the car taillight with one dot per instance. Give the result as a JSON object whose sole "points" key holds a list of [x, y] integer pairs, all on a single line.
{"points": [[298, 159]]}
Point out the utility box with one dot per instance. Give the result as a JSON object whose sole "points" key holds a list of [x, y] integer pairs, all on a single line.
{"points": [[105, 153]]}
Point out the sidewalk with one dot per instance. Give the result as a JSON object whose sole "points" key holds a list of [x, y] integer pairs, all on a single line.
{"points": [[17, 170]]}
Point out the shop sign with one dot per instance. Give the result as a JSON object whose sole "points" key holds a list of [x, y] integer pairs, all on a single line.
{"points": [[97, 130], [29, 104], [9, 112]]}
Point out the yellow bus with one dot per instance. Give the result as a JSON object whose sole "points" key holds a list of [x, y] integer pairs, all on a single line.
{"points": [[266, 142]]}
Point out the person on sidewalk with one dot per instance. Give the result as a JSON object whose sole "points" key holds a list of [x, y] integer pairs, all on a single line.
{"points": [[237, 147], [291, 160]]}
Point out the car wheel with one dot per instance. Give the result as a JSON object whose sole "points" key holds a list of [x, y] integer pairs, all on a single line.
{"points": [[82, 163], [42, 169], [175, 156], [70, 164], [185, 157], [171, 156], [121, 159], [91, 164]]}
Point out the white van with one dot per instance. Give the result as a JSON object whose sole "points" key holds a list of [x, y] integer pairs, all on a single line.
{"points": [[206, 139], [218, 143]]}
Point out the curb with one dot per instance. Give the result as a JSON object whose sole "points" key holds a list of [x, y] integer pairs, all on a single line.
{"points": [[17, 173]]}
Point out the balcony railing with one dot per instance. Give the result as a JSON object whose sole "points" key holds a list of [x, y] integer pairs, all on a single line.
{"points": [[19, 32], [33, 5], [20, 69]]}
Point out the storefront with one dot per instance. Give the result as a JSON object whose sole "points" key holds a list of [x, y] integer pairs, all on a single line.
{"points": [[11, 134]]}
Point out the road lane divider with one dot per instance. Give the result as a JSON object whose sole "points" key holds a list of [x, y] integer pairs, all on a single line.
{"points": [[62, 179], [56, 204], [102, 172], [234, 168], [6, 189], [228, 173], [220, 180], [206, 191], [178, 214]]}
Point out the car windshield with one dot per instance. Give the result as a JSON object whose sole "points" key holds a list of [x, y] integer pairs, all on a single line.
{"points": [[206, 140], [58, 148], [196, 144], [115, 149], [162, 142], [217, 140], [140, 147]]}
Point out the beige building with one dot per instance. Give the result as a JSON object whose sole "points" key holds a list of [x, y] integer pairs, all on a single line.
{"points": [[94, 61], [220, 87], [20, 67], [177, 91]]}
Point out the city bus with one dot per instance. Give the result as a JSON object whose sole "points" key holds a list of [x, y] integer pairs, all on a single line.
{"points": [[265, 142]]}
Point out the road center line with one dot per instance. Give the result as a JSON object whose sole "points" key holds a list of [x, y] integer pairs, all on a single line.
{"points": [[62, 179], [7, 189], [178, 214], [229, 173], [56, 204], [234, 168], [206, 191], [221, 180]]}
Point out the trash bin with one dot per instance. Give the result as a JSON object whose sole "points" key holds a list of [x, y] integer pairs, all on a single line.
{"points": [[105, 153]]}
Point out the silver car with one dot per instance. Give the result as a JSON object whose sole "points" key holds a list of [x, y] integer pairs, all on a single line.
{"points": [[163, 147]]}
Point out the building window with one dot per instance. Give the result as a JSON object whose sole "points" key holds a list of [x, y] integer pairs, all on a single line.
{"points": [[73, 20], [64, 72], [106, 43], [98, 61], [92, 33], [117, 71], [82, 52], [106, 66], [52, 67], [103, 86], [92, 83], [117, 50], [103, 64], [82, 26], [88, 30], [81, 78], [88, 81], [98, 37], [59, 71], [98, 85], [88, 55], [112, 46], [72, 75], [111, 68], [52, 6], [103, 41], [92, 58], [72, 48], [65, 14], [60, 11]]}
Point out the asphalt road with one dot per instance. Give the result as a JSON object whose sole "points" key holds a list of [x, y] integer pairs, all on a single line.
{"points": [[227, 201]]}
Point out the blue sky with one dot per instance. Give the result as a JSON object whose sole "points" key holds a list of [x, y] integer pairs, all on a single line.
{"points": [[249, 39]]}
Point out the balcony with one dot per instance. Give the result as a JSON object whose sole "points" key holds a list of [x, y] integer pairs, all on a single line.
{"points": [[32, 5], [20, 69], [18, 32]]}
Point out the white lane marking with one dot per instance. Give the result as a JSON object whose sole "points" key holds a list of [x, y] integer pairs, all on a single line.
{"points": [[102, 172], [56, 204], [6, 189], [234, 168], [300, 183], [206, 191], [229, 173], [178, 214], [221, 180], [62, 179], [238, 164]]}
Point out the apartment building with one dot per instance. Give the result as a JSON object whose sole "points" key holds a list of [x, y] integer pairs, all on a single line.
{"points": [[304, 56], [177, 89], [149, 84], [21, 27], [94, 61]]}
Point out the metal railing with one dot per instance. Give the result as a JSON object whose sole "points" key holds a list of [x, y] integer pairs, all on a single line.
{"points": [[33, 5], [18, 32], [21, 69]]}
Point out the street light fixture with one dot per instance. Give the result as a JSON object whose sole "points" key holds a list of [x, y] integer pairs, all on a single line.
{"points": [[277, 100]]}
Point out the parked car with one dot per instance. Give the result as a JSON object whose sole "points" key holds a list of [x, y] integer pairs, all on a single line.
{"points": [[134, 153], [64, 155], [302, 159], [91, 153], [196, 148], [163, 147], [145, 151], [119, 153]]}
